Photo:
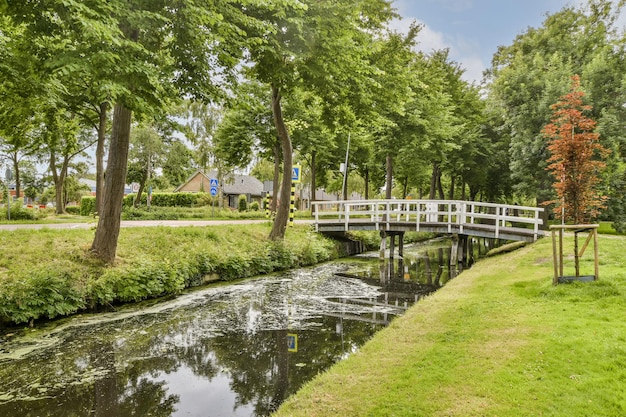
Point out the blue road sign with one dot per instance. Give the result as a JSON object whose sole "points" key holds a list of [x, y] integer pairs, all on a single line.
{"points": [[295, 174], [292, 342], [214, 182], [213, 191]]}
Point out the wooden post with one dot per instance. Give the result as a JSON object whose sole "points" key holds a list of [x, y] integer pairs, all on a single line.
{"points": [[392, 245], [592, 229], [454, 250], [596, 255], [576, 256], [383, 244], [401, 245], [561, 252], [555, 280]]}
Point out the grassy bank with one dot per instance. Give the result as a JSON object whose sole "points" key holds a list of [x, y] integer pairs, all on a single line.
{"points": [[498, 340], [48, 273]]}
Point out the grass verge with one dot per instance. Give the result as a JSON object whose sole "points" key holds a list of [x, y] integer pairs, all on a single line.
{"points": [[48, 273], [498, 340]]}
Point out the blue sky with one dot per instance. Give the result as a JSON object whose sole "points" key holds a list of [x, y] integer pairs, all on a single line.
{"points": [[473, 29]]}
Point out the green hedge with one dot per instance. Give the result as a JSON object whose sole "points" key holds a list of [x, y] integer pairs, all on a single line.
{"points": [[88, 204], [165, 199]]}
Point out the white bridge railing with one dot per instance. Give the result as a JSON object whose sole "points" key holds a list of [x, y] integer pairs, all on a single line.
{"points": [[455, 214]]}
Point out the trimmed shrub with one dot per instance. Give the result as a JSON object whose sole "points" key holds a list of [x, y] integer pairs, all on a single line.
{"points": [[165, 199], [88, 206], [243, 203]]}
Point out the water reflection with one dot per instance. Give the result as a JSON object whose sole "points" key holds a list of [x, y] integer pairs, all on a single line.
{"points": [[221, 351]]}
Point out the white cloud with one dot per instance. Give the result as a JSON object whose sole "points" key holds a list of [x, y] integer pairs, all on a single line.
{"points": [[474, 67], [465, 52]]}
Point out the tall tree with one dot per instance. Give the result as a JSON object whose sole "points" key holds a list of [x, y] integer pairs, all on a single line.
{"points": [[315, 45], [145, 144], [63, 140], [529, 75], [575, 160], [150, 52]]}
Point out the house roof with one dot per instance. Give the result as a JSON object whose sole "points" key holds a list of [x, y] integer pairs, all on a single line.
{"points": [[232, 183]]}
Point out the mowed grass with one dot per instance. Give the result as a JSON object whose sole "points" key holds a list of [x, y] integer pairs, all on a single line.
{"points": [[498, 340]]}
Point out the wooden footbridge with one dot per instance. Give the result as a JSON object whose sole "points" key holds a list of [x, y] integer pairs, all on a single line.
{"points": [[462, 218]]}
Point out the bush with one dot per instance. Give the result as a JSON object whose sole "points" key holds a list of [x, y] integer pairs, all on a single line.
{"points": [[254, 206], [72, 210], [20, 213], [243, 203], [88, 206]]}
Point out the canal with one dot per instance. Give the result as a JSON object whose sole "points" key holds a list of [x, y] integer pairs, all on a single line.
{"points": [[236, 349]]}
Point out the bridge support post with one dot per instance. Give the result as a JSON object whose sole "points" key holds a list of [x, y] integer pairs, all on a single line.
{"points": [[392, 244], [383, 244], [454, 250]]}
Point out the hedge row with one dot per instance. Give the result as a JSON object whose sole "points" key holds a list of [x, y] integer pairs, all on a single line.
{"points": [[88, 204]]}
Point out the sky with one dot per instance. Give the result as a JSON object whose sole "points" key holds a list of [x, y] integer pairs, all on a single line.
{"points": [[473, 29]]}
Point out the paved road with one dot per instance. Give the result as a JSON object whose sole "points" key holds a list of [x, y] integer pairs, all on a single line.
{"points": [[138, 223]]}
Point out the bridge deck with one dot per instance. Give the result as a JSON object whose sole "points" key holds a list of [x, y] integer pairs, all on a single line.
{"points": [[438, 216]]}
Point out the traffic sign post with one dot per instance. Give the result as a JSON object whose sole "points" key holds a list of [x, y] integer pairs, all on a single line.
{"points": [[292, 342], [296, 172], [214, 183]]}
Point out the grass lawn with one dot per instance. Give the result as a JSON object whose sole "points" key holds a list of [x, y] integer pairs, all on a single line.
{"points": [[49, 273], [498, 340]]}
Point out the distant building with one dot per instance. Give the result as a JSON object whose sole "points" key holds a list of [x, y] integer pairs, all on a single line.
{"points": [[231, 186], [322, 195]]}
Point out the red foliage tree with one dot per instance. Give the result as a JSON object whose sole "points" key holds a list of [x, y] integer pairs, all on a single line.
{"points": [[576, 158]]}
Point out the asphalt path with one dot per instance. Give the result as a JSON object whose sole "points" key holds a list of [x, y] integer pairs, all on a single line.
{"points": [[137, 223]]}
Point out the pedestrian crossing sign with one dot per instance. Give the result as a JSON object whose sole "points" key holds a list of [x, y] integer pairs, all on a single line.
{"points": [[296, 174]]}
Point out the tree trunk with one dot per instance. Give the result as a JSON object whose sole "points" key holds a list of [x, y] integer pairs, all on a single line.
{"points": [[58, 177], [104, 245], [442, 196], [452, 181], [367, 184], [389, 179], [313, 182], [405, 186], [61, 191], [282, 213], [102, 124], [276, 178], [463, 190], [137, 202], [433, 181]]}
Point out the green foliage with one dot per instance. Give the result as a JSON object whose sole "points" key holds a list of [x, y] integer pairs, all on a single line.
{"points": [[166, 199], [254, 206], [40, 294], [242, 203], [88, 206], [181, 213], [19, 212], [534, 71], [73, 210], [43, 275]]}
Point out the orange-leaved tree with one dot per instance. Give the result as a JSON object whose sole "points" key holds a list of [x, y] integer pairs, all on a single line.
{"points": [[576, 158]]}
